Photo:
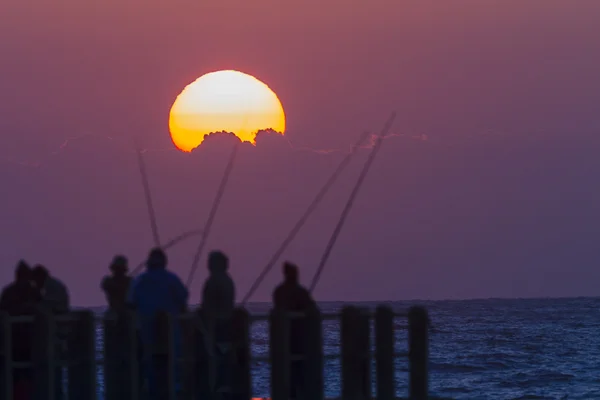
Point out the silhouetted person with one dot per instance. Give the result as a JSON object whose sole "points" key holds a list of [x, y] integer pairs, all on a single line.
{"points": [[20, 294], [18, 299], [54, 293], [156, 290], [55, 299], [218, 296], [218, 301], [292, 297], [116, 286]]}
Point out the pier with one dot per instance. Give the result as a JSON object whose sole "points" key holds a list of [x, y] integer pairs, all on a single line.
{"points": [[367, 341]]}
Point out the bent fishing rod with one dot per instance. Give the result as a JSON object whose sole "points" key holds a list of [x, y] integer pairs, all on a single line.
{"points": [[350, 202], [146, 185], [213, 213], [311, 208]]}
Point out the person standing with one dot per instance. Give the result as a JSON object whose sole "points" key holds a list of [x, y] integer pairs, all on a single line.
{"points": [[18, 299], [153, 291], [54, 298], [218, 302], [291, 296], [116, 286]]}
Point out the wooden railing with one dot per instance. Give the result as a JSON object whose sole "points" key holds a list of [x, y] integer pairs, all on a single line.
{"points": [[192, 374]]}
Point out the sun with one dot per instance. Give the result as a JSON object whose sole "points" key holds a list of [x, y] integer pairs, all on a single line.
{"points": [[229, 101]]}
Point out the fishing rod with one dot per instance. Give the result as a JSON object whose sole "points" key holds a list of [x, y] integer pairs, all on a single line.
{"points": [[350, 202], [168, 245], [213, 213], [146, 185], [311, 208]]}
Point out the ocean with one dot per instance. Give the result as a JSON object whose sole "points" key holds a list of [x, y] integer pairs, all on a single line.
{"points": [[482, 349]]}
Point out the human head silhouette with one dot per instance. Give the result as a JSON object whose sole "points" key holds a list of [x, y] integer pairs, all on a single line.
{"points": [[39, 275], [290, 272], [217, 261], [119, 265], [22, 272], [157, 259]]}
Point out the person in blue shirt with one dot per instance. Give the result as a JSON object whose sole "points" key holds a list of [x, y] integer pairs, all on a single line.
{"points": [[155, 290]]}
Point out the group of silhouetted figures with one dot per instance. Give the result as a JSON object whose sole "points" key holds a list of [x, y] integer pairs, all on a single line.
{"points": [[155, 290], [33, 288]]}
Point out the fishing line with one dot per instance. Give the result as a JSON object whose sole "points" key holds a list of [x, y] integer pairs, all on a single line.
{"points": [[213, 213], [144, 175], [304, 217], [348, 206], [168, 245]]}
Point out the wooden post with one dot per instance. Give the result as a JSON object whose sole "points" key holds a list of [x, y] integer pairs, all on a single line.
{"points": [[82, 356], [6, 381], [240, 327], [121, 365], [279, 349], [418, 353], [356, 362], [364, 352], [313, 367], [163, 357], [44, 341], [384, 353]]}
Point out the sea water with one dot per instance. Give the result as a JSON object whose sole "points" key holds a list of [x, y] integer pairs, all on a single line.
{"points": [[479, 349]]}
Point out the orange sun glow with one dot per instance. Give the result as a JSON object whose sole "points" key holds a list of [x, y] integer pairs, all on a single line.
{"points": [[229, 101]]}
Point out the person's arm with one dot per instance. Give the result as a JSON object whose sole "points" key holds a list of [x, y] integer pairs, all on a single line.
{"points": [[131, 294], [104, 284], [206, 301], [308, 302], [65, 301], [277, 300], [181, 293], [232, 295]]}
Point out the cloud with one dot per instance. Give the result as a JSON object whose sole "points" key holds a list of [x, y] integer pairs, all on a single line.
{"points": [[266, 139]]}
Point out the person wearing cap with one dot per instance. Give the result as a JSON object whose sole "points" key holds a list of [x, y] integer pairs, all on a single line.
{"points": [[116, 286], [155, 290], [291, 296]]}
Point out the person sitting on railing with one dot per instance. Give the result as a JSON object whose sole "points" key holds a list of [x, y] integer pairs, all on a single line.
{"points": [[55, 298], [17, 299], [116, 286], [218, 301], [153, 291], [291, 296]]}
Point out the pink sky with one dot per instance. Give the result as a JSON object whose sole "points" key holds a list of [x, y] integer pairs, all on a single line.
{"points": [[501, 199]]}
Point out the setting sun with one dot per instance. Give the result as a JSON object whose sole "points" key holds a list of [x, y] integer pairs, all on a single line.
{"points": [[229, 101]]}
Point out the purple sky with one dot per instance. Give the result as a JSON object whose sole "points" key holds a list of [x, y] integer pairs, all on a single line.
{"points": [[502, 199]]}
